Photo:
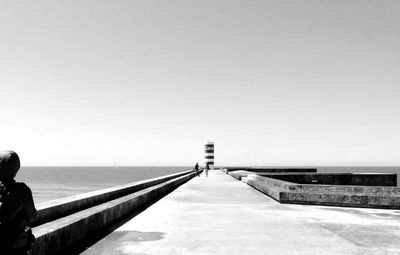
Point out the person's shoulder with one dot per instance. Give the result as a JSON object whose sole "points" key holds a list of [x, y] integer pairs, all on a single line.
{"points": [[21, 187]]}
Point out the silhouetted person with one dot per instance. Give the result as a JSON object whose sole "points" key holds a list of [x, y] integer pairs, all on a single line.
{"points": [[196, 169], [206, 169], [17, 209]]}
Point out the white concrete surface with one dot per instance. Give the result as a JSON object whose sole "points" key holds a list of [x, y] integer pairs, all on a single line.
{"points": [[221, 215]]}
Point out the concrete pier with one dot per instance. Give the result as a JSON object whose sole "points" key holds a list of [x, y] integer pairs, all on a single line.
{"points": [[221, 215], [64, 225]]}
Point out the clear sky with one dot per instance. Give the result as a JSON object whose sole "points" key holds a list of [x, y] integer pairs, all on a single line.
{"points": [[301, 82]]}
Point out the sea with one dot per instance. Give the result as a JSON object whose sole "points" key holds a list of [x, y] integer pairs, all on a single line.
{"points": [[54, 182]]}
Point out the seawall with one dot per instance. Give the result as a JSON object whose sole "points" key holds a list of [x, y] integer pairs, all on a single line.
{"points": [[332, 195], [359, 179], [62, 223]]}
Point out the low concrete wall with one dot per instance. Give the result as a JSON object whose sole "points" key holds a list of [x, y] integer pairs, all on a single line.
{"points": [[334, 195], [363, 179], [348, 200], [58, 208], [238, 174], [270, 169], [268, 186], [63, 232]]}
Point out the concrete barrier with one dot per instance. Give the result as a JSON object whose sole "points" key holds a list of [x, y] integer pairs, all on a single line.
{"points": [[333, 195], [238, 174], [310, 176], [58, 208], [271, 169], [269, 186], [348, 200], [63, 232], [364, 179]]}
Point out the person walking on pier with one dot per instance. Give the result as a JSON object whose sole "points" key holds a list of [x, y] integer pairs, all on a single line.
{"points": [[196, 169], [17, 208], [206, 169]]}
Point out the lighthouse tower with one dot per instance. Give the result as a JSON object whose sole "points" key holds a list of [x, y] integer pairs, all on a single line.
{"points": [[209, 154]]}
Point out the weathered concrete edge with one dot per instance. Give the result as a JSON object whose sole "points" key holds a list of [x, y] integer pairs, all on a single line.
{"points": [[342, 200], [58, 208], [238, 174], [342, 179], [387, 179], [54, 236], [271, 169], [286, 192], [326, 188]]}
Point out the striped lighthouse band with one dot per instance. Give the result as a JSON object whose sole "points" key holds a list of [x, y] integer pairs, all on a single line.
{"points": [[209, 154], [209, 149]]}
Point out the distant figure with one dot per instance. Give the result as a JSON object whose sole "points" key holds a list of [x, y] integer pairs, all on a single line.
{"points": [[17, 209], [196, 169], [206, 168]]}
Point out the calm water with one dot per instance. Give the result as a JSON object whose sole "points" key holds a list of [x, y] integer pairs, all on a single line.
{"points": [[48, 183]]}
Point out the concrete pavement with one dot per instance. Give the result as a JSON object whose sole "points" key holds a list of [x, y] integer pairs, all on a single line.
{"points": [[221, 215]]}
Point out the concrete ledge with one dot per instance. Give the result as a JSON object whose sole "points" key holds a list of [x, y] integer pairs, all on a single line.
{"points": [[238, 174], [364, 179], [271, 169], [333, 195], [58, 208], [61, 233], [269, 186], [348, 200]]}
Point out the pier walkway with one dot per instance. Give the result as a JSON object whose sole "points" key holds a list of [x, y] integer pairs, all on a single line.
{"points": [[221, 215]]}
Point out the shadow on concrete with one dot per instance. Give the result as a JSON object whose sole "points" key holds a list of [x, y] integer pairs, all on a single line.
{"points": [[83, 245], [381, 213], [137, 236], [124, 242]]}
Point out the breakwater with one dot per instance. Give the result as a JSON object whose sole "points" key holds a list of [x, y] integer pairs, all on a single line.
{"points": [[358, 179], [367, 190], [64, 222], [221, 215]]}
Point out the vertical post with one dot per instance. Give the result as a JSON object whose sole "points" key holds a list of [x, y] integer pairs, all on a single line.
{"points": [[209, 154]]}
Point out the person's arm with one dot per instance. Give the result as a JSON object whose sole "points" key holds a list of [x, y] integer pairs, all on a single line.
{"points": [[29, 206]]}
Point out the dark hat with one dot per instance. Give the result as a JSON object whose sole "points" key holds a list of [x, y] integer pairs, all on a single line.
{"points": [[9, 165]]}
